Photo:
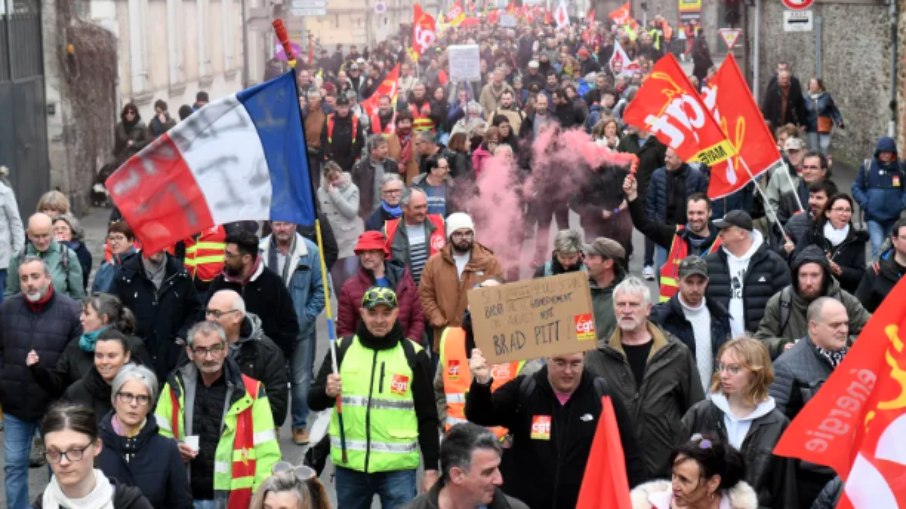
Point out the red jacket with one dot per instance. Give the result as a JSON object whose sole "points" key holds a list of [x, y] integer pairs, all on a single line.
{"points": [[411, 317]]}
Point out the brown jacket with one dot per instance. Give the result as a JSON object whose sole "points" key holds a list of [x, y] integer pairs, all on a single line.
{"points": [[407, 169], [443, 293]]}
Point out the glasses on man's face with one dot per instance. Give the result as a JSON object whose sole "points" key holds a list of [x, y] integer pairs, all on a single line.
{"points": [[216, 313], [846, 210], [72, 455], [203, 352], [128, 398], [391, 192]]}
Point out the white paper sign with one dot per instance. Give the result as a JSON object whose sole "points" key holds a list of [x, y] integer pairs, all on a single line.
{"points": [[464, 63]]}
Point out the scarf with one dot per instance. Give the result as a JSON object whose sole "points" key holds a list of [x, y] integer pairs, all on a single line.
{"points": [[835, 358], [396, 211], [88, 339], [101, 497], [37, 307], [835, 236]]}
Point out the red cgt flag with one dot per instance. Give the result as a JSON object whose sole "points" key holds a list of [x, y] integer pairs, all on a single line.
{"points": [[729, 99], [856, 423], [604, 483], [621, 14], [387, 87], [424, 31], [590, 15], [668, 106]]}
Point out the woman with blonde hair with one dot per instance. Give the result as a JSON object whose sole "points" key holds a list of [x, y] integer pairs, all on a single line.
{"points": [[291, 487], [53, 203], [741, 412]]}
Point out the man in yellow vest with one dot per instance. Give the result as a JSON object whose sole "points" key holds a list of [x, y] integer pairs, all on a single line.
{"points": [[697, 237], [386, 409], [204, 256]]}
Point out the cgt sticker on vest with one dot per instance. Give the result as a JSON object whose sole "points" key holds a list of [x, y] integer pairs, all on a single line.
{"points": [[453, 369], [585, 327], [399, 384], [541, 427]]}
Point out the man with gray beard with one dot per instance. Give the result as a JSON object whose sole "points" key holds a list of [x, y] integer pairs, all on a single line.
{"points": [[45, 320]]}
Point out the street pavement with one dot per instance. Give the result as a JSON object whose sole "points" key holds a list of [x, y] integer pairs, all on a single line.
{"points": [[95, 224]]}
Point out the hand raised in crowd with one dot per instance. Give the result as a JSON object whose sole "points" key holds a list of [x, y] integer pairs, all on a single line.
{"points": [[32, 358], [788, 245], [481, 372], [630, 187], [334, 385]]}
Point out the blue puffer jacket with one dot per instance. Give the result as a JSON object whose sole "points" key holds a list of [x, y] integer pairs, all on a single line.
{"points": [[658, 195], [879, 187]]}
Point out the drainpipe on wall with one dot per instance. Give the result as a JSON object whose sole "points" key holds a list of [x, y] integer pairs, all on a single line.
{"points": [[756, 60], [892, 124]]}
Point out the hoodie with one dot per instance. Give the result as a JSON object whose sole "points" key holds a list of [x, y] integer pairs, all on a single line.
{"points": [[738, 427], [260, 358], [738, 266], [878, 186]]}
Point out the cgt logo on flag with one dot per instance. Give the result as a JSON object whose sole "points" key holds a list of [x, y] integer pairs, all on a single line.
{"points": [[585, 326], [453, 369], [399, 384], [541, 427]]}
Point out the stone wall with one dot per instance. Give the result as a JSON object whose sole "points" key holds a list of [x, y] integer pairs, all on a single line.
{"points": [[856, 46]]}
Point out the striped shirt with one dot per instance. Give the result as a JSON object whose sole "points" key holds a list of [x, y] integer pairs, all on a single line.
{"points": [[418, 250]]}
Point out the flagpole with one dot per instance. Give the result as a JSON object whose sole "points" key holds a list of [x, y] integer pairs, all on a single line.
{"points": [[772, 214], [789, 179]]}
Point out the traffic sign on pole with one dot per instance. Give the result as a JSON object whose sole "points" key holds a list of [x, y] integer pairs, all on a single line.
{"points": [[797, 21], [730, 36], [797, 5], [307, 11]]}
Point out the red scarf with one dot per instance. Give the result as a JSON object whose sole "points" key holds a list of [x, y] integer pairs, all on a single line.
{"points": [[36, 307]]}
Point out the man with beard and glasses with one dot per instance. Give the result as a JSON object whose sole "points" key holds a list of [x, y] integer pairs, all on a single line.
{"points": [[449, 274], [38, 318], [697, 237], [264, 291], [785, 315]]}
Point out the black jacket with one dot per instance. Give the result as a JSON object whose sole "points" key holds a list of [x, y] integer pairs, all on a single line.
{"points": [[662, 234], [363, 176], [344, 147], [670, 387], [153, 465], [266, 296], [161, 316], [766, 275], [772, 477], [124, 497], [771, 104], [547, 473], [21, 330], [878, 281], [260, 358], [849, 254], [830, 495], [651, 157], [376, 220], [798, 375], [670, 317], [429, 500], [91, 391]]}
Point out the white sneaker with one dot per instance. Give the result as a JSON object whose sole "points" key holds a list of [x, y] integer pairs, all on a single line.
{"points": [[648, 273]]}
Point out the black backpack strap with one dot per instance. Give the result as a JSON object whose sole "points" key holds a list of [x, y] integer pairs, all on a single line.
{"points": [[786, 302]]}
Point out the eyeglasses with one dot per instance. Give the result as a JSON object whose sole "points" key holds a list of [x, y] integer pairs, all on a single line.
{"points": [[72, 455], [302, 473], [128, 398], [733, 369], [216, 313], [203, 352], [392, 191], [842, 211]]}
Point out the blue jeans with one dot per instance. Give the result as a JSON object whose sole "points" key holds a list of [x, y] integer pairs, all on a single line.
{"points": [[206, 504], [660, 258], [355, 490], [2, 283], [649, 253], [17, 440], [300, 368], [878, 233], [819, 142]]}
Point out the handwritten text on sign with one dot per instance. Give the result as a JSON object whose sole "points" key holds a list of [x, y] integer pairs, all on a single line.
{"points": [[532, 319]]}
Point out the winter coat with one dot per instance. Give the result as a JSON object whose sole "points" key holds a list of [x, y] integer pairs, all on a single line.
{"points": [[798, 226], [670, 387], [260, 358], [782, 192], [91, 391], [443, 291], [265, 294], [340, 206], [429, 500], [657, 495], [823, 106], [124, 497], [460, 165], [368, 181], [878, 281], [772, 477], [161, 316], [602, 304], [651, 157], [154, 465], [546, 472], [663, 234], [410, 316], [21, 330], [670, 317], [479, 157], [103, 278], [830, 495], [659, 192], [878, 187], [776, 334], [766, 275], [601, 190], [798, 375], [137, 133], [771, 104], [377, 220], [156, 127], [849, 254], [553, 267], [343, 147], [302, 276], [490, 97], [12, 234], [410, 167], [65, 269]]}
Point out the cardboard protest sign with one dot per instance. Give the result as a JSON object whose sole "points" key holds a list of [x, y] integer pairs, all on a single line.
{"points": [[465, 63], [535, 318]]}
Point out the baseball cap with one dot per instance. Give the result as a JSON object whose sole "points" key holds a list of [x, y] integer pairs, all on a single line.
{"points": [[739, 218], [692, 265], [377, 296], [371, 241], [793, 143], [607, 248]]}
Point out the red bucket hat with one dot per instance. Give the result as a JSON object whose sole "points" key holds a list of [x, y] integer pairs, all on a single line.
{"points": [[371, 241]]}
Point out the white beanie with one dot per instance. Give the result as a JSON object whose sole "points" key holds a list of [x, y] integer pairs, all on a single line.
{"points": [[457, 221]]}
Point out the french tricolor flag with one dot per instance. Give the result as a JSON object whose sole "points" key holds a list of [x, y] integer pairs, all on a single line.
{"points": [[240, 158]]}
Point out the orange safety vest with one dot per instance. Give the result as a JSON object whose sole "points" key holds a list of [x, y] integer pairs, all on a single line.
{"points": [[458, 378], [244, 440], [437, 241], [376, 124], [421, 117], [330, 122], [204, 253], [679, 249]]}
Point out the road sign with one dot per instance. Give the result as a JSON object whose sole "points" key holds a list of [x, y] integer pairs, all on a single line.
{"points": [[308, 11], [730, 36], [380, 7], [797, 5], [797, 21], [309, 4]]}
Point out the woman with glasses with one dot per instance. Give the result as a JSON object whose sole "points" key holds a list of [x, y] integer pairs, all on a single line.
{"points": [[71, 445], [291, 487], [741, 413], [120, 241], [844, 245], [134, 452]]}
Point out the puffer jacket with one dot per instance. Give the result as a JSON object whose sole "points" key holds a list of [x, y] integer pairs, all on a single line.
{"points": [[411, 317], [670, 387], [772, 330], [670, 317], [878, 281], [849, 254], [766, 275], [830, 495], [659, 190], [878, 187], [12, 234], [47, 332], [798, 375], [260, 358], [772, 477], [443, 291]]}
